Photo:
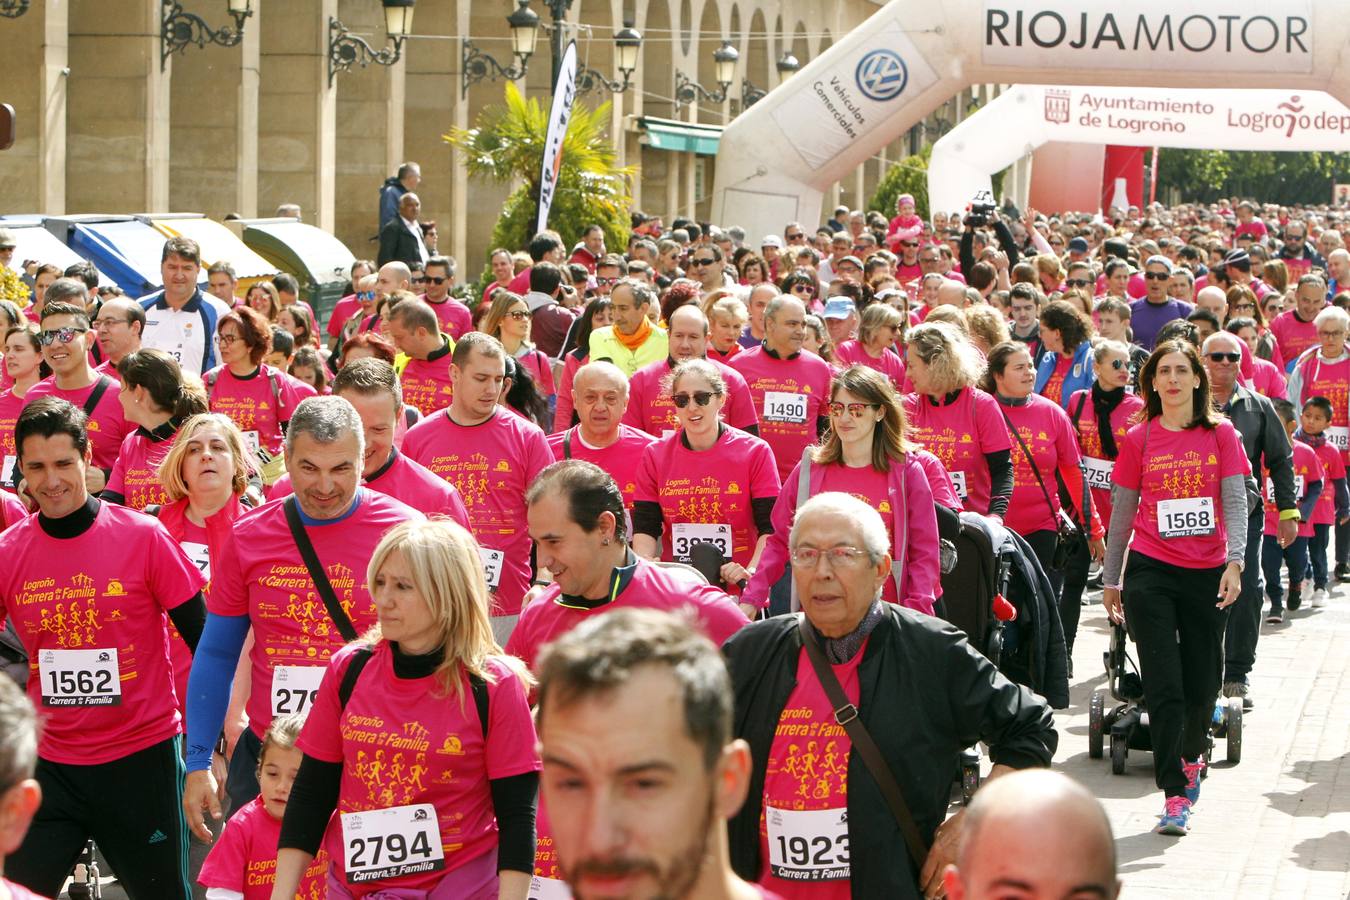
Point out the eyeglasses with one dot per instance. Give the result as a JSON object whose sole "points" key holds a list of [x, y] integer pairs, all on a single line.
{"points": [[64, 335], [702, 398], [1340, 332], [431, 279], [227, 340], [606, 282], [803, 289], [839, 557], [794, 237], [928, 259], [519, 314], [108, 322], [1224, 357], [1251, 306], [1076, 282], [1157, 276], [856, 410]]}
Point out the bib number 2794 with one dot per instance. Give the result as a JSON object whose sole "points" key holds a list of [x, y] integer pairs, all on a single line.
{"points": [[388, 843]]}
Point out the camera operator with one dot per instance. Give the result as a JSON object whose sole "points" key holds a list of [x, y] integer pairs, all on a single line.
{"points": [[982, 213]]}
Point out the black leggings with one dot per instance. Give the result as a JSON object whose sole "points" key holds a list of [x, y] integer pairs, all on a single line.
{"points": [[1173, 619], [133, 809], [1043, 545]]}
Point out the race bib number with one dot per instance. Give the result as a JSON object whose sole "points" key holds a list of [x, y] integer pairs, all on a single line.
{"points": [[200, 556], [1186, 517], [80, 677], [1098, 472], [1299, 485], [665, 433], [1338, 436], [492, 565], [959, 482], [784, 407], [388, 843], [7, 469], [683, 536], [808, 845], [294, 688], [251, 442], [542, 888]]}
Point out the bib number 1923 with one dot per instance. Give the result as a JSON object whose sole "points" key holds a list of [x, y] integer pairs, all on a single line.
{"points": [[808, 845], [388, 843], [1186, 517]]}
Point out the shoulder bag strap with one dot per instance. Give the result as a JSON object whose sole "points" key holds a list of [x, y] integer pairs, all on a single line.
{"points": [[349, 677], [316, 572], [804, 478], [1078, 413], [91, 403], [846, 714], [480, 700], [567, 444]]}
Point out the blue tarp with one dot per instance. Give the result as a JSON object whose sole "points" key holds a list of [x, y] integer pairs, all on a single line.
{"points": [[127, 251]]}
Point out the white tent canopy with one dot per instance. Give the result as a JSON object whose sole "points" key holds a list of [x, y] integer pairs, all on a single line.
{"points": [[778, 158]]}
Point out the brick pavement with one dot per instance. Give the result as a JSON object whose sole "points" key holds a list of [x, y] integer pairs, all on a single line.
{"points": [[1275, 825]]}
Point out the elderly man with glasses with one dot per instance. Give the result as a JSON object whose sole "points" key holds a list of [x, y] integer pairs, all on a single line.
{"points": [[812, 689]]}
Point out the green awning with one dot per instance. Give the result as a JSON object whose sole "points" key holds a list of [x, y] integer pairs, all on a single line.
{"points": [[681, 137]]}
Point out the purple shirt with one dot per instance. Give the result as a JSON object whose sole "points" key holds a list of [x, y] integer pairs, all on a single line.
{"points": [[1147, 318]]}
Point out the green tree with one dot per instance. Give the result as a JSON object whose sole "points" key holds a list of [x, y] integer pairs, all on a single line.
{"points": [[910, 176], [506, 145], [1204, 176]]}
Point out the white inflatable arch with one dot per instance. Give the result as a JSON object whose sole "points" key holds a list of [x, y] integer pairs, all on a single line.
{"points": [[1023, 118], [778, 158]]}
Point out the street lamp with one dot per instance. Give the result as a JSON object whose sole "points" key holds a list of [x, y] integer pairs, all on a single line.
{"points": [[750, 95], [786, 65], [475, 65], [178, 28], [346, 49], [688, 91], [627, 43], [12, 9]]}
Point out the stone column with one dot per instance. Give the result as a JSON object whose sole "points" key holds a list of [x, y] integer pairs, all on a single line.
{"points": [[33, 171]]}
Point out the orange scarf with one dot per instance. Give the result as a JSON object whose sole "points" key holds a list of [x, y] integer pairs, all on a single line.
{"points": [[636, 339]]}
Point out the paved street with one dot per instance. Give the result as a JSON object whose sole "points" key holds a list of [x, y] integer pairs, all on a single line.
{"points": [[1276, 825]]}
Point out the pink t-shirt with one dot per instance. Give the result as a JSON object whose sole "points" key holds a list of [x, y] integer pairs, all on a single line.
{"points": [[807, 772], [1090, 444], [403, 742], [343, 310], [1054, 388], [790, 395], [426, 382], [260, 575], [1330, 380], [455, 318], [959, 434], [10, 407], [491, 463], [650, 587], [562, 415], [244, 858], [107, 426], [11, 510], [136, 473], [873, 488], [540, 369], [651, 409], [1333, 468], [1268, 379], [1293, 334], [711, 490], [853, 353], [251, 403], [407, 482], [73, 595], [1307, 469], [1186, 466], [19, 892], [620, 459], [1048, 434]]}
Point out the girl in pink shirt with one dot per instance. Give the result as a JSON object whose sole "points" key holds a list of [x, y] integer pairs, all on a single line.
{"points": [[23, 363], [880, 327], [1181, 495]]}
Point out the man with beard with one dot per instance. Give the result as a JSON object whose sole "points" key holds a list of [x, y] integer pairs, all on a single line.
{"points": [[640, 769]]}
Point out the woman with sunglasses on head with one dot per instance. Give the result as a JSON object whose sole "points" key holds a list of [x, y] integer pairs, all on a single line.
{"points": [[1101, 416], [880, 329], [706, 482], [1067, 333], [508, 320], [867, 453], [1181, 507], [804, 285], [262, 296]]}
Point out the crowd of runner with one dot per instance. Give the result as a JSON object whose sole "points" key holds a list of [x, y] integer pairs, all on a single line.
{"points": [[378, 595]]}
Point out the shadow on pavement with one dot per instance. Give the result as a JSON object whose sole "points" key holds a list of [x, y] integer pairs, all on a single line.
{"points": [[1134, 847], [1324, 854], [1315, 799]]}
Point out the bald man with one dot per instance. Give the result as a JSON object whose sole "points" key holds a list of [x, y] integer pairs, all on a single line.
{"points": [[951, 293], [1034, 834], [1213, 299], [600, 392]]}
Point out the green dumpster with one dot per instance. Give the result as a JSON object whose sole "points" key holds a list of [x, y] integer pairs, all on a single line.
{"points": [[320, 262]]}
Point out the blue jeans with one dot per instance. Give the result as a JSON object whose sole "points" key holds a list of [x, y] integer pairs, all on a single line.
{"points": [[1317, 553], [1273, 556]]}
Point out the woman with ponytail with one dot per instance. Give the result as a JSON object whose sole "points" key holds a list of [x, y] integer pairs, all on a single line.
{"points": [[158, 398]]}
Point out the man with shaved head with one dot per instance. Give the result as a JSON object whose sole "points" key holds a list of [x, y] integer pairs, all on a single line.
{"points": [[1010, 830], [1212, 298]]}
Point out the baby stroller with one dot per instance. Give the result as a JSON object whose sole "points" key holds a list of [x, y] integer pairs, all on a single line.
{"points": [[1127, 721]]}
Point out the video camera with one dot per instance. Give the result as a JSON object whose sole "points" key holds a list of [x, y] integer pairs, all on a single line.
{"points": [[981, 209]]}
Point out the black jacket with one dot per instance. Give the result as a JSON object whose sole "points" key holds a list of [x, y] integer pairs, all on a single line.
{"points": [[1264, 439], [397, 244], [925, 695]]}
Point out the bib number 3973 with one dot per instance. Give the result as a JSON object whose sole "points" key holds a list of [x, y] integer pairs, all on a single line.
{"points": [[80, 677], [780, 406], [388, 843], [294, 688], [1186, 517], [683, 536], [808, 845]]}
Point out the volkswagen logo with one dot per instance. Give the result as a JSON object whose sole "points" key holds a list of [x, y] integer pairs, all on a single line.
{"points": [[881, 75]]}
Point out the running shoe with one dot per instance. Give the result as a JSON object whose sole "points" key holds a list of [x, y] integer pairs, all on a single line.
{"points": [[1238, 689], [1193, 772], [1295, 599], [1343, 572], [1319, 598], [1275, 616], [1176, 817]]}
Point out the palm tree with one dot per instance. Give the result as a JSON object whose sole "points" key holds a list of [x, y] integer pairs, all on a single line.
{"points": [[506, 145]]}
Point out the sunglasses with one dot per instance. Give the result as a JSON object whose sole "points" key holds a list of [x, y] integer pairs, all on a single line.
{"points": [[802, 289], [365, 295], [1076, 282], [856, 410], [909, 243], [519, 314], [606, 282], [432, 279], [64, 335], [1119, 364], [417, 280], [702, 262], [1157, 276], [1251, 306], [702, 398], [794, 237], [1225, 357]]}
